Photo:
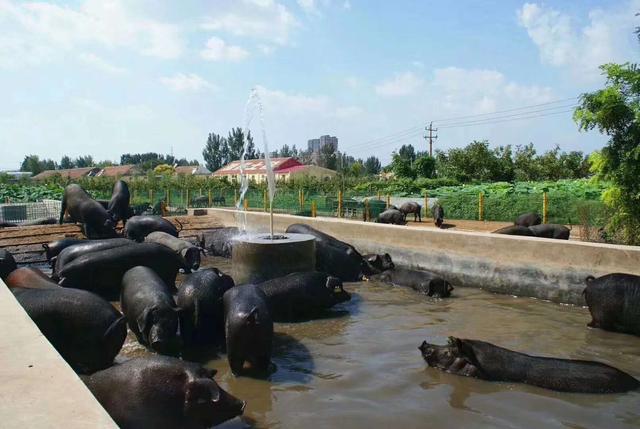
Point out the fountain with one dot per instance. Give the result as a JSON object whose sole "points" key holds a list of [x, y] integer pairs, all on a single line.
{"points": [[258, 257]]}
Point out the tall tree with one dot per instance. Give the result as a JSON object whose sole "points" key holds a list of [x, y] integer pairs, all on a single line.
{"points": [[425, 166], [32, 163], [66, 163], [615, 111], [235, 143], [212, 152], [372, 166], [407, 152], [84, 161], [328, 158]]}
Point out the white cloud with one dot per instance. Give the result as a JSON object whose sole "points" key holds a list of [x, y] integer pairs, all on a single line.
{"points": [[309, 6], [417, 64], [608, 37], [402, 84], [38, 32], [186, 82], [476, 91], [320, 106], [217, 50], [99, 63], [353, 82], [264, 20]]}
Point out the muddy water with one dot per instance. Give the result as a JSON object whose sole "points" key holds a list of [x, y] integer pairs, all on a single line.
{"points": [[361, 368]]}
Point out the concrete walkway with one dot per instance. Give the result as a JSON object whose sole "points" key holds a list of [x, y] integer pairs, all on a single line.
{"points": [[37, 387]]}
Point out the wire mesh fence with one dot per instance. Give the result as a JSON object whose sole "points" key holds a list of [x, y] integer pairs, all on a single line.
{"points": [[555, 207], [29, 212]]}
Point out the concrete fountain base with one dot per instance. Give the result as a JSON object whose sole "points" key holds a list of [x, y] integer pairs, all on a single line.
{"points": [[257, 257]]}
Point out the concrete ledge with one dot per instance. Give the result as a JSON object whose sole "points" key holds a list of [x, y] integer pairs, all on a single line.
{"points": [[543, 268], [38, 389]]}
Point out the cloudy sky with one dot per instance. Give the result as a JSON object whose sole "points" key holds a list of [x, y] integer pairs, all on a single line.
{"points": [[103, 77]]}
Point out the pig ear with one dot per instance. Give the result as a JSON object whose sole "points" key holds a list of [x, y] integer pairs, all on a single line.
{"points": [[252, 317]]}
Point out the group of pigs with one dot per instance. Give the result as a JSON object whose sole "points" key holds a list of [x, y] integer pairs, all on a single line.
{"points": [[73, 311]]}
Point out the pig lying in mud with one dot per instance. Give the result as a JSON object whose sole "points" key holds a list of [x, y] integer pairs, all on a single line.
{"points": [[473, 358], [424, 282]]}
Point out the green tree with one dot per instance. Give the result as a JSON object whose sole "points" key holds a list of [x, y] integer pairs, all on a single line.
{"points": [[32, 163], [235, 143], [84, 161], [407, 152], [212, 152], [615, 111], [372, 166], [357, 169], [328, 157], [526, 167], [425, 166], [402, 167], [66, 163]]}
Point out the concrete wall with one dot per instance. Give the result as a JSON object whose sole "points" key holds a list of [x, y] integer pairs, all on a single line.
{"points": [[543, 268], [38, 389]]}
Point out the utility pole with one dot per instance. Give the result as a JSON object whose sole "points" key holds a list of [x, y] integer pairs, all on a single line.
{"points": [[431, 137]]}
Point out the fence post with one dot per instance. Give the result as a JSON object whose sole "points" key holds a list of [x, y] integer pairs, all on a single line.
{"points": [[339, 203], [209, 197], [264, 198], [246, 203], [235, 197], [187, 205], [545, 207], [426, 205], [302, 198], [388, 200], [378, 195], [314, 209], [367, 214], [151, 197], [168, 197], [481, 206]]}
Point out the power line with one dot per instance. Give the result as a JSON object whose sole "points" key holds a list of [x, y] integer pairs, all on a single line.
{"points": [[416, 130], [509, 120], [431, 137], [513, 115], [507, 110]]}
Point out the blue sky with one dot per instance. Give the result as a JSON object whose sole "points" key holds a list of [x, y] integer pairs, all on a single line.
{"points": [[105, 77]]}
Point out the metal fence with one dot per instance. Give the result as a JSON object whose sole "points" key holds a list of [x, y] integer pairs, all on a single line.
{"points": [[29, 212]]}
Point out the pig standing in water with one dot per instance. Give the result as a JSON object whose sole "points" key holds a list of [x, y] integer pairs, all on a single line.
{"points": [[85, 329], [473, 358], [150, 310], [160, 392], [200, 300], [300, 296], [614, 302], [188, 251], [248, 329]]}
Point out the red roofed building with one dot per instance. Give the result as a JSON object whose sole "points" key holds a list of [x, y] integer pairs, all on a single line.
{"points": [[284, 169]]}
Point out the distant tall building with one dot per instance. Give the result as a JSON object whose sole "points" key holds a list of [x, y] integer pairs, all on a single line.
{"points": [[315, 145]]}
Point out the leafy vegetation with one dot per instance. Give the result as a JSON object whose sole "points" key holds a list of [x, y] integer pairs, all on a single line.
{"points": [[615, 111]]}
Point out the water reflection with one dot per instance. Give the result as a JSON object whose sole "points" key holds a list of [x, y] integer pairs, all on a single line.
{"points": [[361, 367]]}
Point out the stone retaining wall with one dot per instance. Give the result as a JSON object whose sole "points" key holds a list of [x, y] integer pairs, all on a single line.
{"points": [[543, 268]]}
